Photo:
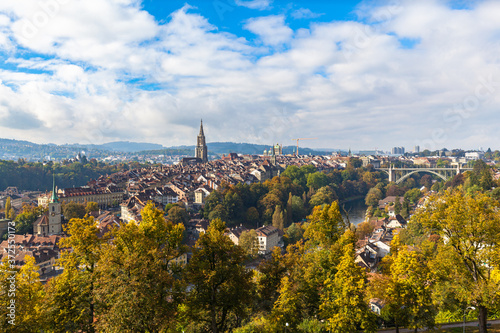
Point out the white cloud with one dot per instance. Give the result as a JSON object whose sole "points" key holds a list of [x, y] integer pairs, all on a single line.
{"points": [[272, 30], [255, 4], [304, 13], [101, 33], [106, 70]]}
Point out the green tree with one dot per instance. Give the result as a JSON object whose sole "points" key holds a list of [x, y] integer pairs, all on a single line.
{"points": [[8, 209], [405, 209], [317, 180], [289, 210], [298, 210], [70, 301], [278, 218], [373, 197], [410, 273], [288, 305], [219, 212], [268, 279], [413, 195], [66, 307], [442, 163], [252, 216], [468, 248], [25, 220], [311, 325], [323, 196], [29, 298], [293, 233], [326, 225], [268, 204], [397, 205], [233, 206], [8, 275], [137, 289], [222, 287], [249, 242], [343, 303], [296, 174], [178, 215], [486, 180], [91, 207], [73, 210]]}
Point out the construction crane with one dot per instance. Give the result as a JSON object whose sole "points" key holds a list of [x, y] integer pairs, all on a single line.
{"points": [[297, 152]]}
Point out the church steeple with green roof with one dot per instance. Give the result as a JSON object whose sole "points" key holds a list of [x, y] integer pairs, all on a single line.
{"points": [[54, 197]]}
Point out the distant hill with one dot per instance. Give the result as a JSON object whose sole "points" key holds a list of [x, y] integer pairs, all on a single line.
{"points": [[129, 147], [14, 149], [120, 146], [19, 142]]}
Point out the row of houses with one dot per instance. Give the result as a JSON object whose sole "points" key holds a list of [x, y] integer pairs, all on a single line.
{"points": [[45, 248], [268, 237]]}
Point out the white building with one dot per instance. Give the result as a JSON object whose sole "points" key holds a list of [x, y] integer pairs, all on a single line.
{"points": [[474, 155], [201, 193], [235, 233], [269, 237]]}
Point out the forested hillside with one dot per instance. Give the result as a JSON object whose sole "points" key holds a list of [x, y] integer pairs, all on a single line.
{"points": [[38, 176]]}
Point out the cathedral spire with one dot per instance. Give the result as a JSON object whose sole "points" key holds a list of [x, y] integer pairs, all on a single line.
{"points": [[201, 145], [201, 129]]}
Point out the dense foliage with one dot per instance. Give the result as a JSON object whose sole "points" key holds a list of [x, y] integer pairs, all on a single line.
{"points": [[290, 197], [38, 176], [445, 262]]}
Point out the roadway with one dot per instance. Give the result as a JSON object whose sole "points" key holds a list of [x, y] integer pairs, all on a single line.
{"points": [[443, 326]]}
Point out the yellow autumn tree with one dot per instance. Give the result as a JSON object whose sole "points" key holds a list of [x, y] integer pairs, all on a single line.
{"points": [[136, 287], [70, 303], [8, 275], [343, 301], [468, 248], [222, 288], [326, 225], [29, 297]]}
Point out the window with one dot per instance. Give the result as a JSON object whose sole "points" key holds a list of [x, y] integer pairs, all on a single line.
{"points": [[53, 208]]}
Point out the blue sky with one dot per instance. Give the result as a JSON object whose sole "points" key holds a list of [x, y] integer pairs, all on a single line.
{"points": [[359, 74]]}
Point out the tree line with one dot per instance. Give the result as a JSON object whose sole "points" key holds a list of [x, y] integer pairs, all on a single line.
{"points": [[37, 176], [289, 197], [444, 263]]}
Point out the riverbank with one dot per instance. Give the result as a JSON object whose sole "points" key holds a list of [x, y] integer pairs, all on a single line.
{"points": [[354, 208], [357, 197]]}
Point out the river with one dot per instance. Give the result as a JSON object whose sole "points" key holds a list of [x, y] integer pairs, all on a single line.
{"points": [[356, 210]]}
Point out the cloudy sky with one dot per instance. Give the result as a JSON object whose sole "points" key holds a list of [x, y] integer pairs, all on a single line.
{"points": [[365, 75]]}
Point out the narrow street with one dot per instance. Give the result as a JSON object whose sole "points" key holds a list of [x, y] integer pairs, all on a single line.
{"points": [[468, 324]]}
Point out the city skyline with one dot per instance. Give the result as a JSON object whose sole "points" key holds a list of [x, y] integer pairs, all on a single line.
{"points": [[365, 75]]}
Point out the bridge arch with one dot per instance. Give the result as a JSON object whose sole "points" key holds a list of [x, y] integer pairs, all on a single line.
{"points": [[443, 177]]}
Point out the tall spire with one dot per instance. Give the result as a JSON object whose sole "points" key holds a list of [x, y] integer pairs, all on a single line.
{"points": [[54, 197], [201, 145], [201, 129]]}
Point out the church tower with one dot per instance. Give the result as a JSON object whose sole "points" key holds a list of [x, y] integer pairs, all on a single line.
{"points": [[201, 146], [54, 212]]}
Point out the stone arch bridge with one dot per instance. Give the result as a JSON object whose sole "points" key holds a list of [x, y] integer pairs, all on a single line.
{"points": [[398, 175]]}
